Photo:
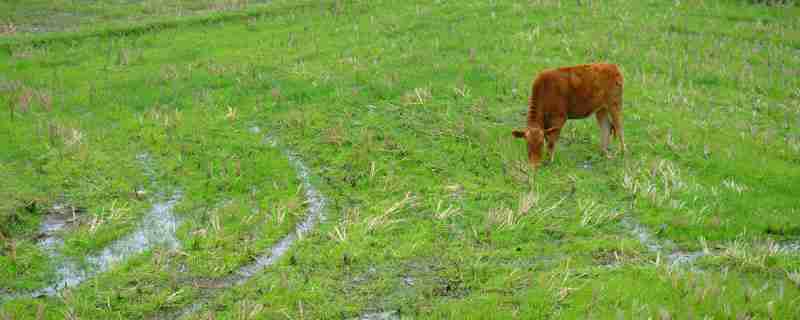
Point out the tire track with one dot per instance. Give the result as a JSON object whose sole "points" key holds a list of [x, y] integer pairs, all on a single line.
{"points": [[315, 213]]}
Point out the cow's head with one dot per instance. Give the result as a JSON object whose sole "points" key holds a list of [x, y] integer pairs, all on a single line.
{"points": [[535, 138]]}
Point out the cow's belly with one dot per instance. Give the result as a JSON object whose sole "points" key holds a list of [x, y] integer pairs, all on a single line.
{"points": [[579, 114], [582, 106]]}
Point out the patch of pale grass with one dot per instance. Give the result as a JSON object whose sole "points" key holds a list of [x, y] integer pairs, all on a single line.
{"points": [[502, 217], [8, 28], [334, 135], [24, 100], [418, 96], [794, 277], [279, 214], [216, 223], [445, 213], [339, 233], [560, 279], [520, 170], [115, 212], [529, 201], [742, 254], [461, 90], [299, 69], [531, 206], [660, 182], [731, 184], [593, 214], [350, 218], [74, 138], [388, 216], [752, 254], [231, 113], [247, 309]]}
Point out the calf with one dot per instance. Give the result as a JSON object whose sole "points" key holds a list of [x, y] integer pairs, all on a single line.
{"points": [[573, 93]]}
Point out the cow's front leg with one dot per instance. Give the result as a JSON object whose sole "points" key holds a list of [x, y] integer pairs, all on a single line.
{"points": [[552, 135]]}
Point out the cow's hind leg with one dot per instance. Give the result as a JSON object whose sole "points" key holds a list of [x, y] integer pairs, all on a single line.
{"points": [[605, 129], [616, 121]]}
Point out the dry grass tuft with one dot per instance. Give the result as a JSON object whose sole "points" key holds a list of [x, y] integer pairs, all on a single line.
{"points": [[752, 255], [8, 28], [231, 114], [502, 217], [247, 310], [593, 214], [731, 184], [418, 96], [24, 100], [334, 135], [531, 205], [443, 214], [279, 214], [387, 217], [658, 182]]}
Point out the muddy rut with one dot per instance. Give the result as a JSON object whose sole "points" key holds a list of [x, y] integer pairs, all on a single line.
{"points": [[315, 213]]}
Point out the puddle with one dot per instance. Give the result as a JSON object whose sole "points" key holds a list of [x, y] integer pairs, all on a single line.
{"points": [[644, 236], [49, 229], [684, 258], [688, 258], [409, 280], [57, 218], [673, 259], [386, 315], [157, 228], [787, 247], [314, 214]]}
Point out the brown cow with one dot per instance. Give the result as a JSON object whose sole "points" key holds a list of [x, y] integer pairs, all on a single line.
{"points": [[573, 93]]}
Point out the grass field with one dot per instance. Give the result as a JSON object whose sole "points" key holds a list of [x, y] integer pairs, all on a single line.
{"points": [[402, 113]]}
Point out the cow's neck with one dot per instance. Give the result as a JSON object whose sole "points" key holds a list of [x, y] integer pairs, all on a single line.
{"points": [[535, 118]]}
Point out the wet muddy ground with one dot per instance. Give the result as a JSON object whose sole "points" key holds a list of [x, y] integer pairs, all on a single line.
{"points": [[315, 202], [157, 228], [664, 248]]}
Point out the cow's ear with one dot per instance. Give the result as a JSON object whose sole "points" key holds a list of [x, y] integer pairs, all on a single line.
{"points": [[518, 134]]}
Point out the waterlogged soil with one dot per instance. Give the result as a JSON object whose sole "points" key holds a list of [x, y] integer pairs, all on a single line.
{"points": [[675, 257], [648, 240], [156, 229], [50, 229], [385, 315], [315, 213]]}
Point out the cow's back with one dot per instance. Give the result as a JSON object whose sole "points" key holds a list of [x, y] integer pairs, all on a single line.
{"points": [[592, 87], [574, 91]]}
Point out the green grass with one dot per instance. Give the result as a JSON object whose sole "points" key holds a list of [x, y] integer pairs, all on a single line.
{"points": [[403, 112]]}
